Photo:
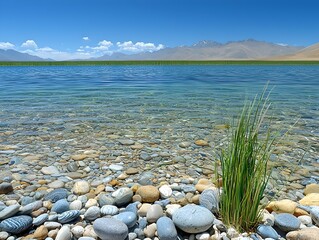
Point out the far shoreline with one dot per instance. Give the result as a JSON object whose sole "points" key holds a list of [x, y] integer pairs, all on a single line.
{"points": [[158, 62]]}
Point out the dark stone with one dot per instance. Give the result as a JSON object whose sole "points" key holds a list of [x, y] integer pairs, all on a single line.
{"points": [[5, 188], [16, 224], [56, 195]]}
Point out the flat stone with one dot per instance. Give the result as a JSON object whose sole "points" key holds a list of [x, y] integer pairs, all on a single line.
{"points": [[148, 193], [78, 157], [31, 207], [9, 211], [5, 188], [287, 222], [50, 170], [267, 232], [311, 188], [282, 206], [132, 171], [56, 184], [201, 143], [129, 218], [56, 195], [39, 220], [75, 175], [184, 144], [81, 187], [110, 228], [16, 225], [312, 199], [126, 141], [304, 234], [314, 214], [116, 167], [69, 216], [209, 199], [193, 218], [166, 229]]}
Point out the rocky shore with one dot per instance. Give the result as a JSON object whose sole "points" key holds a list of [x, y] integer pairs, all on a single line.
{"points": [[86, 183]]}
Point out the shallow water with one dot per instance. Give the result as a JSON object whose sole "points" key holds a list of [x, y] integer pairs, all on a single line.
{"points": [[161, 102]]}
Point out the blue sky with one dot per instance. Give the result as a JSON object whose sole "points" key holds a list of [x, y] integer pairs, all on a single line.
{"points": [[65, 29]]}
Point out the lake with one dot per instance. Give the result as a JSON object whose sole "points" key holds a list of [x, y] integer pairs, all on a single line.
{"points": [[58, 111]]}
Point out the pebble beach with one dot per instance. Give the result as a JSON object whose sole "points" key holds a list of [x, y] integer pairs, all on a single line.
{"points": [[143, 171]]}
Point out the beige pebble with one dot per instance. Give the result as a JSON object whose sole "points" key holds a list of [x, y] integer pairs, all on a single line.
{"points": [[142, 211], [282, 206], [91, 202], [150, 230], [312, 199], [311, 188]]}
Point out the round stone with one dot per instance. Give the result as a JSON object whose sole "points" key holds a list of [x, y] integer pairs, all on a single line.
{"points": [[129, 218], [76, 205], [61, 206], [5, 188], [64, 233], [110, 228], [203, 184], [287, 222], [16, 225], [165, 191], [193, 218], [81, 187], [77, 231], [109, 210], [267, 232], [154, 213], [148, 193], [122, 196], [166, 229], [41, 232], [92, 213]]}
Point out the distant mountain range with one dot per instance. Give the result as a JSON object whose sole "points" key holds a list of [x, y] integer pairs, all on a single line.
{"points": [[204, 50], [12, 55], [308, 53], [209, 50]]}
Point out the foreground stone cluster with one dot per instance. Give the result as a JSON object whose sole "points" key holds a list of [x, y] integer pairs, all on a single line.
{"points": [[91, 211]]}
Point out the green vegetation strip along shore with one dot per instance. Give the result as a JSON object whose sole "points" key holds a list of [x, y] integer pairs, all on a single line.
{"points": [[151, 62]]}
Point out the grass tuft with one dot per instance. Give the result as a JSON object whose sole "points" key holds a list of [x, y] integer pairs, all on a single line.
{"points": [[244, 166]]}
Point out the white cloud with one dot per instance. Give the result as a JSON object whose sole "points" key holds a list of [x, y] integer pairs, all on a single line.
{"points": [[47, 52], [29, 44], [103, 46], [6, 45], [86, 38], [282, 44], [138, 46]]}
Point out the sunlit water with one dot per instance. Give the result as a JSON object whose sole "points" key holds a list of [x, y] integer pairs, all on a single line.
{"points": [[181, 99]]}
